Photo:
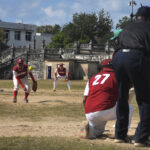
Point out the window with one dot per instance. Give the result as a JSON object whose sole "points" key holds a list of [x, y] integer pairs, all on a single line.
{"points": [[17, 35], [28, 36], [7, 34]]}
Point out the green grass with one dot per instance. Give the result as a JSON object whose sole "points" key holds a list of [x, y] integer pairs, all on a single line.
{"points": [[50, 143], [35, 113], [6, 84], [48, 84]]}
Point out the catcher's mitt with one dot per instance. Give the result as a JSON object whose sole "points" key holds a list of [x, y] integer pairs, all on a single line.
{"points": [[34, 86]]}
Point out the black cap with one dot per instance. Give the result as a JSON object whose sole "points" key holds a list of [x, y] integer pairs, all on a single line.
{"points": [[143, 11]]}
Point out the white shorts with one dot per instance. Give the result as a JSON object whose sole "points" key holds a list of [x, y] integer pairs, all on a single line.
{"points": [[61, 77], [97, 120], [24, 82]]}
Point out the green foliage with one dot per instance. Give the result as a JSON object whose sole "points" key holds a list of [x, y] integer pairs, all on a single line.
{"points": [[57, 41], [3, 41], [84, 27], [2, 35], [104, 27], [49, 29], [123, 22]]}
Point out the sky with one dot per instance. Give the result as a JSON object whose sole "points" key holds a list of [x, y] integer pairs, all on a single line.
{"points": [[51, 12]]}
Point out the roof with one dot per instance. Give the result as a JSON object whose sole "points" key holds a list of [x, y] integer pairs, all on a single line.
{"points": [[17, 26]]}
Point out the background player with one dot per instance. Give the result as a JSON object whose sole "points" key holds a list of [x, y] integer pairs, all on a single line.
{"points": [[61, 73], [20, 72], [100, 98]]}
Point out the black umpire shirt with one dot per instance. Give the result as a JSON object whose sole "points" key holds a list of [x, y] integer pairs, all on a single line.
{"points": [[136, 35]]}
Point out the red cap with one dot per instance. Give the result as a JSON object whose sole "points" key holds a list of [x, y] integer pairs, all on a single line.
{"points": [[61, 64], [106, 62], [19, 61]]}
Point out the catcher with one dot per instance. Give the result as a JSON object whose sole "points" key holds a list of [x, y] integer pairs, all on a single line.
{"points": [[20, 72], [62, 73], [99, 101]]}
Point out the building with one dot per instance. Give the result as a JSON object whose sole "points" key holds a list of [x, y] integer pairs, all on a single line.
{"points": [[42, 39], [22, 35], [18, 34]]}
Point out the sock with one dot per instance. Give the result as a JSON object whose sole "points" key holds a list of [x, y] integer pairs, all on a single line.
{"points": [[15, 94], [26, 95]]}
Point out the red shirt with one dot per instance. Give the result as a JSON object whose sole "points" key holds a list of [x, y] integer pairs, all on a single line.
{"points": [[61, 72], [103, 91], [21, 73]]}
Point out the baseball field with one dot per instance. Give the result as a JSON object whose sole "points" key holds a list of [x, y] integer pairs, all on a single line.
{"points": [[52, 120]]}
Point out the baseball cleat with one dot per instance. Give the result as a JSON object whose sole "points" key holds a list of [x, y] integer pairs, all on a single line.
{"points": [[54, 90], [139, 145], [70, 90], [124, 140], [14, 100], [26, 100], [84, 133], [143, 144]]}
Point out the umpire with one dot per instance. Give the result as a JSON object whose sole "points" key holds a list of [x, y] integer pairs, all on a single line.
{"points": [[131, 66]]}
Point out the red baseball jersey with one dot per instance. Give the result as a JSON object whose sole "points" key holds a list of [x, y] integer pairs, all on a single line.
{"points": [[21, 73], [102, 91], [61, 72]]}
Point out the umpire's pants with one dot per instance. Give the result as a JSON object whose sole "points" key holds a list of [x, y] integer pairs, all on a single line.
{"points": [[131, 68]]}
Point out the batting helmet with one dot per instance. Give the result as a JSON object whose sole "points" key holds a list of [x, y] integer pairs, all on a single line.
{"points": [[106, 63], [19, 61]]}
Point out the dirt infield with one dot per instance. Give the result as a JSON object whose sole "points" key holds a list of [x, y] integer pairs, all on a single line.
{"points": [[50, 125]]}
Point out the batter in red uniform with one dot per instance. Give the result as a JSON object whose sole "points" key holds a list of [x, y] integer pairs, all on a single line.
{"points": [[20, 72], [61, 73], [100, 98]]}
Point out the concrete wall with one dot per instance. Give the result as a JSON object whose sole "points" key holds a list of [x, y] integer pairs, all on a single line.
{"points": [[40, 37], [22, 42], [53, 65], [78, 70], [92, 69]]}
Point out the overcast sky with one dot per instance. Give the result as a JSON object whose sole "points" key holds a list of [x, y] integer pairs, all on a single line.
{"points": [[44, 12]]}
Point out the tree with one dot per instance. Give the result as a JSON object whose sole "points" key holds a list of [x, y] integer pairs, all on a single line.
{"points": [[2, 36], [85, 27], [104, 27], [3, 40], [123, 22], [56, 29], [57, 41], [49, 29]]}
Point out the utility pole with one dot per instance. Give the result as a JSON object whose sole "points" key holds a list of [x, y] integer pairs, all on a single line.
{"points": [[132, 3]]}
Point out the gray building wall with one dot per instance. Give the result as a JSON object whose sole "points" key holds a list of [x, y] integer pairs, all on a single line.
{"points": [[42, 38], [23, 28]]}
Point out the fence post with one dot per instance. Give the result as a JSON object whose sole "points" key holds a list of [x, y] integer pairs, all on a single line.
{"points": [[12, 54]]}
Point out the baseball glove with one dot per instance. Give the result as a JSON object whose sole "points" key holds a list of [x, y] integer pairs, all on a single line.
{"points": [[66, 79], [34, 86]]}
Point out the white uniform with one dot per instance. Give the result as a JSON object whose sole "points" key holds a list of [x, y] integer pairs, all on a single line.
{"points": [[22, 76], [61, 74]]}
